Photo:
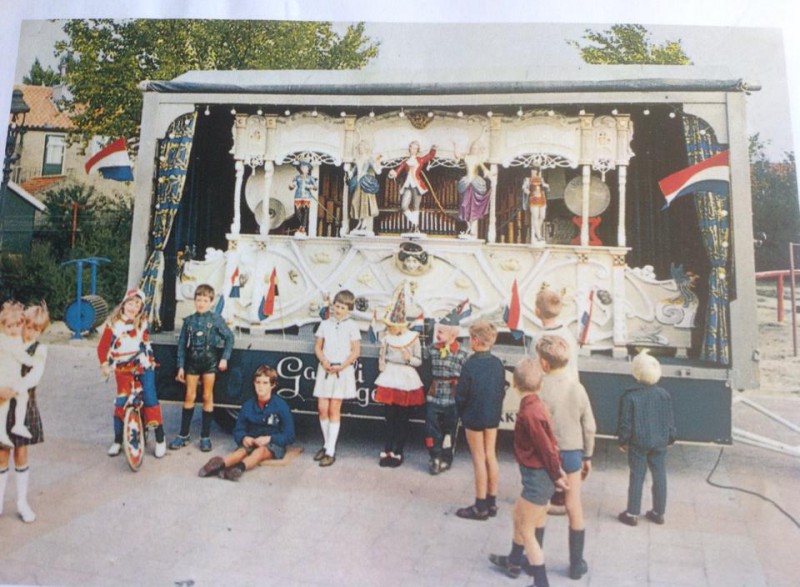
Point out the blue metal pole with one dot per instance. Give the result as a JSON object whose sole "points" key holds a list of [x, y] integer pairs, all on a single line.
{"points": [[77, 335]]}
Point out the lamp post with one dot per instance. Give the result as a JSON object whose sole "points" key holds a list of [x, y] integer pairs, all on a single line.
{"points": [[19, 108]]}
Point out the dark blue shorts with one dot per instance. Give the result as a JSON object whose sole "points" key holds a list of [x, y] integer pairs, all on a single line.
{"points": [[571, 460], [537, 487]]}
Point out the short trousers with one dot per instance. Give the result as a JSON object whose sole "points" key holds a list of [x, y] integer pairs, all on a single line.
{"points": [[537, 487], [571, 460], [278, 451], [202, 363], [338, 386]]}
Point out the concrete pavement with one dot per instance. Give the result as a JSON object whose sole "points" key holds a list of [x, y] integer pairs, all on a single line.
{"points": [[357, 524]]}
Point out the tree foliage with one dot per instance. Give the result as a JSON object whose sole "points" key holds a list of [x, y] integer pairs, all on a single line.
{"points": [[628, 44], [39, 76], [776, 217], [106, 59]]}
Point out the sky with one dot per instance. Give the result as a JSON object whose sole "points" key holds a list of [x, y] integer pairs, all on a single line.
{"points": [[748, 37]]}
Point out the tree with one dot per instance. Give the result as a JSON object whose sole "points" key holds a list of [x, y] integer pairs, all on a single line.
{"points": [[775, 209], [627, 44], [106, 59], [39, 76]]}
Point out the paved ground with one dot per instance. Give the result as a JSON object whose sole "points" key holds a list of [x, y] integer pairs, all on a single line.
{"points": [[358, 524]]}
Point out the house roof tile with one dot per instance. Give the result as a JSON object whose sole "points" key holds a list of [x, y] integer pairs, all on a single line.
{"points": [[44, 113]]}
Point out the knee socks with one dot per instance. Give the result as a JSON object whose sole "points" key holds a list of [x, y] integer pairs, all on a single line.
{"points": [[324, 425], [333, 435], [515, 557], [22, 495], [186, 420], [205, 427], [539, 574]]}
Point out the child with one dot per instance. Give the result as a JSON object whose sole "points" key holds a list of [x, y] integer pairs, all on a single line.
{"points": [[398, 385], [574, 428], [548, 308], [646, 427], [263, 430], [441, 416], [198, 354], [337, 348], [303, 184], [37, 320], [12, 360], [536, 452], [479, 398], [125, 347]]}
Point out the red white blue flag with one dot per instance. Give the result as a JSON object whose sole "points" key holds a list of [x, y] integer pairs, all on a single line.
{"points": [[112, 162], [586, 320], [710, 175], [512, 313], [372, 333], [267, 306]]}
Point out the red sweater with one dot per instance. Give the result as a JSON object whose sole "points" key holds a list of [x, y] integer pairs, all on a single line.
{"points": [[534, 442], [421, 161]]}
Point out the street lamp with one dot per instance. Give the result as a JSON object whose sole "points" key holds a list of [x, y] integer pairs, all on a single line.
{"points": [[19, 108]]}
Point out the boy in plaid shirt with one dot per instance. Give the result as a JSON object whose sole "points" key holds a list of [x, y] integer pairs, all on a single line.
{"points": [[447, 358]]}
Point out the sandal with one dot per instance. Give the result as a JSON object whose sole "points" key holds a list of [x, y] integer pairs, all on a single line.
{"points": [[492, 511], [503, 561], [472, 513]]}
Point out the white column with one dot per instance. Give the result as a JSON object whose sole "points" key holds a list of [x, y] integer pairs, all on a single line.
{"points": [[269, 173], [623, 179], [345, 202], [620, 304], [314, 210], [236, 227], [586, 179], [491, 235]]}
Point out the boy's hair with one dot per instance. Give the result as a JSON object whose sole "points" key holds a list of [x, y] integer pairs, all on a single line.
{"points": [[38, 316], [484, 332], [528, 375], [548, 303], [204, 290], [269, 372], [554, 350], [12, 311], [646, 368], [345, 297]]}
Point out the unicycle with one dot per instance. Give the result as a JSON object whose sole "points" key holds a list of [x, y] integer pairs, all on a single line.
{"points": [[133, 430]]}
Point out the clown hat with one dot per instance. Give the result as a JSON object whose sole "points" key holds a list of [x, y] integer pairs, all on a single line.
{"points": [[396, 313]]}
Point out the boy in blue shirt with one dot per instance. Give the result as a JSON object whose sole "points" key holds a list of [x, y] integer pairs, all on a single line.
{"points": [[263, 430], [198, 354]]}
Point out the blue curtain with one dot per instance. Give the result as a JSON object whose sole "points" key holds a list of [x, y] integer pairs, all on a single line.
{"points": [[714, 222], [173, 161]]}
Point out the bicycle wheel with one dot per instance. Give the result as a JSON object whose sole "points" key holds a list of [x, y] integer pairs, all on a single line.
{"points": [[133, 438]]}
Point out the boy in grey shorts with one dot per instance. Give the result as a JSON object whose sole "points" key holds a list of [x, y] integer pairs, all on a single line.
{"points": [[537, 454]]}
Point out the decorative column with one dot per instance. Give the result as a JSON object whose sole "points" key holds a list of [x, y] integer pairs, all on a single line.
{"points": [[313, 211], [269, 173], [491, 235], [620, 304], [345, 228], [585, 184], [622, 171], [237, 199]]}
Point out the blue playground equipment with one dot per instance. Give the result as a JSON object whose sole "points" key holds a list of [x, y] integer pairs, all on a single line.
{"points": [[87, 312]]}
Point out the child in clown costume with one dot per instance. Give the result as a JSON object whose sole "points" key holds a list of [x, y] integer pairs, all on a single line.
{"points": [[447, 357], [125, 348], [399, 386]]}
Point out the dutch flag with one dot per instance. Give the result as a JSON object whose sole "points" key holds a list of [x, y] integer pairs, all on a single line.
{"points": [[235, 284], [513, 312], [112, 162], [710, 175]]}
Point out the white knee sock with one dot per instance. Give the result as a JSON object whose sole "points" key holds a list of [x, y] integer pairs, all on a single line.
{"points": [[3, 481], [325, 426], [23, 508], [333, 435]]}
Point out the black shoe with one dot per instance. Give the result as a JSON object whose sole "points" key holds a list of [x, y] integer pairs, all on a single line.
{"points": [[385, 460], [654, 517], [327, 461], [472, 513], [502, 561], [212, 467], [395, 461], [232, 474], [492, 511], [628, 519], [578, 570], [320, 453]]}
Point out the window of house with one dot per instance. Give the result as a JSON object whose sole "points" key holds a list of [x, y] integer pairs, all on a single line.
{"points": [[54, 148]]}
